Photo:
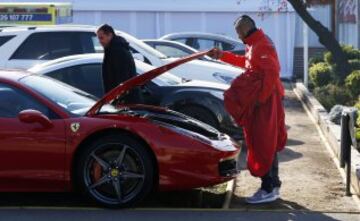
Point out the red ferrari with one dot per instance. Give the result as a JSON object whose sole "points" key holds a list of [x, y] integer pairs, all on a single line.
{"points": [[55, 138]]}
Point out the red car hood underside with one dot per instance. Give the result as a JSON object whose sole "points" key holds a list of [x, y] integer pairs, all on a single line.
{"points": [[139, 80]]}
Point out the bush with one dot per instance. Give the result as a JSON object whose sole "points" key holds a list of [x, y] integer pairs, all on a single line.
{"points": [[331, 94], [328, 57], [350, 52], [352, 83], [315, 59], [320, 74], [357, 105], [354, 64]]}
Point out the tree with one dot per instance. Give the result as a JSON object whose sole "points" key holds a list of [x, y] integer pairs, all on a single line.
{"points": [[326, 38]]}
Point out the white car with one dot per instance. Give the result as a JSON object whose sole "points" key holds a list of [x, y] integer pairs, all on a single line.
{"points": [[25, 46]]}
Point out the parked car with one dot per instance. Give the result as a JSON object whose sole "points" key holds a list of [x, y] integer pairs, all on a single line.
{"points": [[198, 99], [24, 47], [174, 49], [58, 138], [204, 41]]}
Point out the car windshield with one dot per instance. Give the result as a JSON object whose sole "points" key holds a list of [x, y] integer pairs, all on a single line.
{"points": [[72, 100]]}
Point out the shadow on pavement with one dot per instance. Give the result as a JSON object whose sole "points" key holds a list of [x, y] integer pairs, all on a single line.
{"points": [[292, 142], [184, 199], [289, 155], [288, 210]]}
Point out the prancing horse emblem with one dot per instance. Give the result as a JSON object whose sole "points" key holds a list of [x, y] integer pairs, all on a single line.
{"points": [[75, 127]]}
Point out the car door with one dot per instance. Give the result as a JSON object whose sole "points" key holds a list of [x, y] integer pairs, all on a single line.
{"points": [[43, 46], [31, 155]]}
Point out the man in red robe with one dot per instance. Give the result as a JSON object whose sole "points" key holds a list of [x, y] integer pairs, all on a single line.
{"points": [[255, 102]]}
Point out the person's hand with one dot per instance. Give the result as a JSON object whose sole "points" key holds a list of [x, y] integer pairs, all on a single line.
{"points": [[215, 53]]}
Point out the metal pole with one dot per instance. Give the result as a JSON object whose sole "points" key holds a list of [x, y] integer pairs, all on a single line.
{"points": [[306, 53], [345, 153], [348, 172]]}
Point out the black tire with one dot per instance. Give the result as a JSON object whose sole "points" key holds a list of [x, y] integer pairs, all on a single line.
{"points": [[201, 114], [116, 171]]}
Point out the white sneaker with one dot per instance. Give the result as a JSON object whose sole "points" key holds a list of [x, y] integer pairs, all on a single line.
{"points": [[276, 191], [261, 196]]}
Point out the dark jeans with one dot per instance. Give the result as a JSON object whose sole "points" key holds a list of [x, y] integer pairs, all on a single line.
{"points": [[271, 179]]}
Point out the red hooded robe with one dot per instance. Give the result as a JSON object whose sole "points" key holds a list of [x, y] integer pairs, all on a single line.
{"points": [[263, 124]]}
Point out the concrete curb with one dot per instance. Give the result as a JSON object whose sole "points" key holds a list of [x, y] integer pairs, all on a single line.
{"points": [[330, 131], [230, 187]]}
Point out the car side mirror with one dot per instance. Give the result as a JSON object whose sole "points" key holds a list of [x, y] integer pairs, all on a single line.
{"points": [[34, 116], [138, 56]]}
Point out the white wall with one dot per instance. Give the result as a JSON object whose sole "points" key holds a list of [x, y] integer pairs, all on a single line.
{"points": [[320, 13], [348, 32]]}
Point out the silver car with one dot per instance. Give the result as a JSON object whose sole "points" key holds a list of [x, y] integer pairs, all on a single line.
{"points": [[203, 41]]}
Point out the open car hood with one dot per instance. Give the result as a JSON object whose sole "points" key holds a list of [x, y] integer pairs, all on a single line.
{"points": [[138, 81]]}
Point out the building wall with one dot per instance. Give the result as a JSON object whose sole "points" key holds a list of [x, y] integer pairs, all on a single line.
{"points": [[348, 24], [152, 19]]}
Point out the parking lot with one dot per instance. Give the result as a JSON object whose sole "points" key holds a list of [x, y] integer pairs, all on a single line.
{"points": [[138, 110]]}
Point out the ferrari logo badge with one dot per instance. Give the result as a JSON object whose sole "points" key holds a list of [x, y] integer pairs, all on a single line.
{"points": [[75, 127]]}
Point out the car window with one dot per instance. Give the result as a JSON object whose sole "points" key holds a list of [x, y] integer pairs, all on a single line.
{"points": [[225, 46], [88, 42], [13, 101], [134, 51], [97, 46], [171, 51], [4, 39], [203, 44], [85, 77], [52, 45], [181, 40]]}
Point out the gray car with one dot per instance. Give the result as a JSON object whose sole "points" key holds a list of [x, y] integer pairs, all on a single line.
{"points": [[174, 49], [204, 41]]}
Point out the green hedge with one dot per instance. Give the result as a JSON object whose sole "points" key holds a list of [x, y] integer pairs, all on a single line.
{"points": [[328, 87], [352, 83], [350, 53], [354, 64], [316, 59], [331, 94], [320, 74], [357, 105]]}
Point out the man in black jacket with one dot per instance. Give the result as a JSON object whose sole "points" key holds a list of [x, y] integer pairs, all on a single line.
{"points": [[118, 64]]}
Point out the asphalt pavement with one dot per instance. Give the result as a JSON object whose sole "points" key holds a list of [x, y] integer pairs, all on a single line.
{"points": [[162, 215]]}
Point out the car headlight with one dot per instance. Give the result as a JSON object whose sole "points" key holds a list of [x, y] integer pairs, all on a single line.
{"points": [[224, 78], [218, 94]]}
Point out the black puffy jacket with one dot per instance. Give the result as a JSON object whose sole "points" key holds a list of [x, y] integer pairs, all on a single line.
{"points": [[119, 66]]}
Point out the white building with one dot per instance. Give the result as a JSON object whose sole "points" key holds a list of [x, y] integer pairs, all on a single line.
{"points": [[152, 19]]}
